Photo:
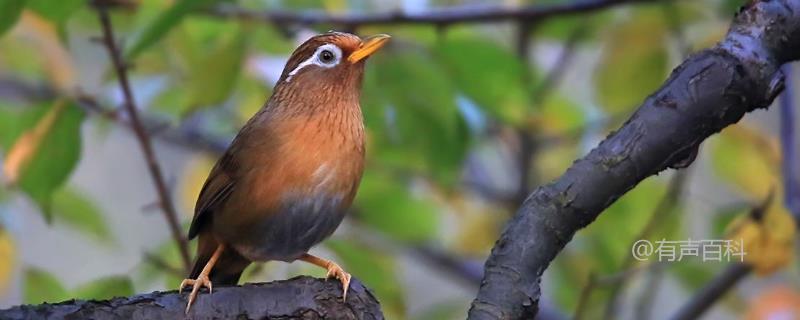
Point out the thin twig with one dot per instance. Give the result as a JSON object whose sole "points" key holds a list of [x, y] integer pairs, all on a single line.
{"points": [[586, 293], [525, 143], [523, 42], [141, 135], [527, 148], [595, 281], [789, 162], [528, 144], [449, 16], [712, 291]]}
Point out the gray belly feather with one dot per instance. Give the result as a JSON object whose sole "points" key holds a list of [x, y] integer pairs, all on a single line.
{"points": [[299, 225]]}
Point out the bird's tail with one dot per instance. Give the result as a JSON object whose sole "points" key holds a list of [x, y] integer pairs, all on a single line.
{"points": [[228, 268]]}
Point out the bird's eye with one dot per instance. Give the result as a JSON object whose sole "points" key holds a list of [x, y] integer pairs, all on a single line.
{"points": [[326, 56]]}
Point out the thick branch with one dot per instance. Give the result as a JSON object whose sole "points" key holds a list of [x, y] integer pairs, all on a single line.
{"points": [[164, 198], [467, 14], [709, 91], [298, 298]]}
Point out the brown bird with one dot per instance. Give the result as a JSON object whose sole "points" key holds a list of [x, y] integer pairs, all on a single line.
{"points": [[292, 171]]}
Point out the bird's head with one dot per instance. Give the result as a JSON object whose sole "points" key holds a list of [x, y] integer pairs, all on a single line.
{"points": [[329, 63]]}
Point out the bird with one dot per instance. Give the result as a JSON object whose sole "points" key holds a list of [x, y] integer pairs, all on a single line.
{"points": [[292, 171]]}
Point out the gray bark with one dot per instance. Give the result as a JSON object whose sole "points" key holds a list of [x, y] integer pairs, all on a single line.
{"points": [[298, 298]]}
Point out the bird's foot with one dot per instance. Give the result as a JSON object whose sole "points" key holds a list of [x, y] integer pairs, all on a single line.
{"points": [[201, 281], [335, 271]]}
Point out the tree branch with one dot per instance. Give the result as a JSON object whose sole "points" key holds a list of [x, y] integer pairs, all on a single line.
{"points": [[709, 91], [709, 294], [789, 168], [165, 200], [298, 298], [466, 14]]}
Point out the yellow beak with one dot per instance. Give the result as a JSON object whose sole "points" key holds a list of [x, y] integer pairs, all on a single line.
{"points": [[368, 47]]}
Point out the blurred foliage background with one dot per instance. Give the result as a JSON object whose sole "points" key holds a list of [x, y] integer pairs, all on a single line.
{"points": [[463, 121]]}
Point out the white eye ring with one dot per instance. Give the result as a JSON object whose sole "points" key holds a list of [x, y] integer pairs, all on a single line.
{"points": [[326, 56]]}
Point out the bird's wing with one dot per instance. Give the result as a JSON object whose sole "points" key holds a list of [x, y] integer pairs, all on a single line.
{"points": [[215, 191]]}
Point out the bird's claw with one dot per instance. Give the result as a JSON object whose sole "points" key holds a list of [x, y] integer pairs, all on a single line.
{"points": [[201, 281], [335, 271]]}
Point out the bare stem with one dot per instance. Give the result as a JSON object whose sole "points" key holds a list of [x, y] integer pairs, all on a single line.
{"points": [[715, 289], [141, 135], [465, 14]]}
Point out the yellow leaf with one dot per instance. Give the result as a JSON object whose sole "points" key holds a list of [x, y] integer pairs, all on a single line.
{"points": [[476, 226], [748, 158], [193, 179], [7, 259], [56, 58], [769, 243], [633, 63], [26, 146]]}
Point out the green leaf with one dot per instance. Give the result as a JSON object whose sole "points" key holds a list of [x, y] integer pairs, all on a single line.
{"points": [[376, 269], [693, 274], [162, 24], [207, 60], [105, 288], [564, 28], [411, 102], [55, 158], [9, 13], [634, 62], [386, 204], [748, 159], [74, 209], [488, 74], [215, 75], [570, 272], [15, 119], [730, 7], [40, 286], [267, 39], [56, 11], [558, 115]]}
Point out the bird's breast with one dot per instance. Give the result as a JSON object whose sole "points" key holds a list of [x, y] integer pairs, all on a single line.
{"points": [[295, 191], [324, 153]]}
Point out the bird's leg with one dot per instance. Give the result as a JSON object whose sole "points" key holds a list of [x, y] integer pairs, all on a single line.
{"points": [[334, 270], [202, 279]]}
